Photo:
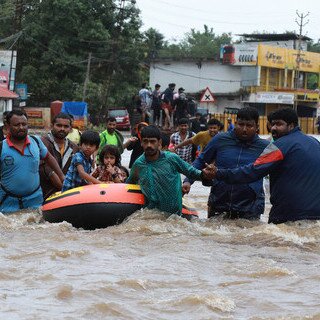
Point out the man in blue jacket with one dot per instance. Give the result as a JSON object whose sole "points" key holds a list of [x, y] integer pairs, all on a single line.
{"points": [[234, 149], [292, 161]]}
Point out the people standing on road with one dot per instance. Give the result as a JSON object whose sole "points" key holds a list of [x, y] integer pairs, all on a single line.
{"points": [[167, 105], [158, 173], [144, 95], [79, 172], [61, 148], [292, 162], [196, 123], [180, 106], [232, 150], [191, 106], [156, 105], [20, 158], [108, 171], [186, 152]]}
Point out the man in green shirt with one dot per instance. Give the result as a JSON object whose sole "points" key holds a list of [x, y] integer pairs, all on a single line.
{"points": [[111, 135], [158, 173]]}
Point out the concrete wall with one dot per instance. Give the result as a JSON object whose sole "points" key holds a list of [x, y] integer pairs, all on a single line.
{"points": [[194, 78]]}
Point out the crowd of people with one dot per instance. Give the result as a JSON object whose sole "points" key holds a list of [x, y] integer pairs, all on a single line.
{"points": [[162, 108], [232, 163]]}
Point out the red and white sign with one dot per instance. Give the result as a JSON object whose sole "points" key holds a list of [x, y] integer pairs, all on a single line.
{"points": [[207, 96], [4, 79]]}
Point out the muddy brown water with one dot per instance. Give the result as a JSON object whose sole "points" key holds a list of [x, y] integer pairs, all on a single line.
{"points": [[150, 267]]}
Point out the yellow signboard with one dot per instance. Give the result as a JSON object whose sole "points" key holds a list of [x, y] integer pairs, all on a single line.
{"points": [[282, 58]]}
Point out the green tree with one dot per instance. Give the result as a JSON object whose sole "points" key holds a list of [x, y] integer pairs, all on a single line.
{"points": [[154, 42], [197, 45], [58, 36], [206, 44]]}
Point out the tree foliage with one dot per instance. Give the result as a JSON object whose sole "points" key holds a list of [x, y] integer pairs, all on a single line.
{"points": [[197, 45], [59, 36]]}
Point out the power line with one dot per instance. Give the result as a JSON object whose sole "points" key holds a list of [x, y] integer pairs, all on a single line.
{"points": [[301, 24], [58, 54]]}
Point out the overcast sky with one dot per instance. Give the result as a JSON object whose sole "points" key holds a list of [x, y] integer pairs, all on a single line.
{"points": [[173, 18]]}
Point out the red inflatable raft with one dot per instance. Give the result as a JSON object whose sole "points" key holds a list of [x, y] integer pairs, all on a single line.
{"points": [[97, 206]]}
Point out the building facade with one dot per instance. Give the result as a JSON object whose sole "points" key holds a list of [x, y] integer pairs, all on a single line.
{"points": [[264, 71]]}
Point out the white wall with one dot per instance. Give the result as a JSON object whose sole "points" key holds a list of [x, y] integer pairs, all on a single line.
{"points": [[219, 78]]}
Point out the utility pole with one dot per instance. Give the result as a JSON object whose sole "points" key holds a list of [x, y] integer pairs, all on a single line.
{"points": [[18, 12], [115, 48], [86, 80], [301, 24]]}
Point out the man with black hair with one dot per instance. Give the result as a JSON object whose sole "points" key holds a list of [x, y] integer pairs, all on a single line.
{"points": [[144, 95], [292, 161], [156, 104], [79, 172], [183, 133], [20, 159], [61, 148], [167, 105], [111, 135], [232, 149], [158, 173], [180, 104], [202, 138]]}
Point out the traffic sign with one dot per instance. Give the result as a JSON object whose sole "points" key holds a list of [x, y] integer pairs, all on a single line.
{"points": [[207, 96]]}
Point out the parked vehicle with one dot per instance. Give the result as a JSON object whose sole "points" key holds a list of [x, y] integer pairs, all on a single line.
{"points": [[122, 118]]}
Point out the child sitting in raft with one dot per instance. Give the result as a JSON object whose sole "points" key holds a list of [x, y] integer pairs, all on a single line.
{"points": [[109, 171], [81, 164]]}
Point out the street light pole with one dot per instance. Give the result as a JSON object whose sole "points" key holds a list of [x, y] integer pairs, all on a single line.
{"points": [[301, 24]]}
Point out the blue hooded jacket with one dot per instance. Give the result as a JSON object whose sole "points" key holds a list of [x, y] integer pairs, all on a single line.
{"points": [[293, 162], [228, 152]]}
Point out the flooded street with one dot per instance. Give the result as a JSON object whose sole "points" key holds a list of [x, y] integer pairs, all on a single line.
{"points": [[150, 267]]}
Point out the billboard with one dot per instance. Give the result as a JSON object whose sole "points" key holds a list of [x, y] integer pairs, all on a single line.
{"points": [[282, 58], [239, 54], [8, 62], [4, 83]]}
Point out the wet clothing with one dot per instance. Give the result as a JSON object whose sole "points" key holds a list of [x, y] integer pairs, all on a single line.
{"points": [[230, 127], [160, 180], [201, 139], [73, 179], [228, 152], [185, 153], [181, 107], [64, 161], [292, 162], [20, 181]]}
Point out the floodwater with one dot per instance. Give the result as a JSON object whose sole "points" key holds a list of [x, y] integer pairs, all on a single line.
{"points": [[150, 267]]}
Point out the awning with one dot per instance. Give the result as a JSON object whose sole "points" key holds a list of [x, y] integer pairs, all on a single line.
{"points": [[7, 94]]}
